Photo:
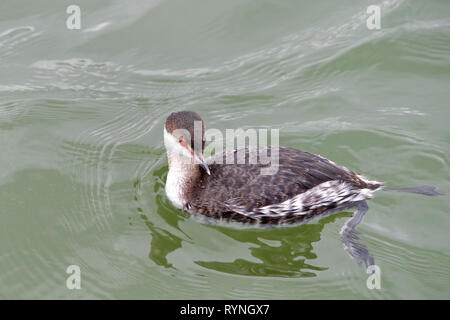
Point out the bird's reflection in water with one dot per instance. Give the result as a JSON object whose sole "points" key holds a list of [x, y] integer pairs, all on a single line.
{"points": [[163, 242], [281, 252]]}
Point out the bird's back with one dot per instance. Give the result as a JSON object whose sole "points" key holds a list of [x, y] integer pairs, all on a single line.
{"points": [[240, 192]]}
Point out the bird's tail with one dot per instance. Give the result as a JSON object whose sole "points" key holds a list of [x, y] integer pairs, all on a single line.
{"points": [[423, 190]]}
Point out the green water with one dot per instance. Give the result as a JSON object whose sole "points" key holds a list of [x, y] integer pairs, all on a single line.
{"points": [[83, 166]]}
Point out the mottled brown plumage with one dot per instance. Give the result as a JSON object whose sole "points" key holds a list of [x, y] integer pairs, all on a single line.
{"points": [[242, 186]]}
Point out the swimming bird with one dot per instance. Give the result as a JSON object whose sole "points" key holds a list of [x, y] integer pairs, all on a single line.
{"points": [[304, 185]]}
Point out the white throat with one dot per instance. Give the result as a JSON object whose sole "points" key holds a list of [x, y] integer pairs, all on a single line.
{"points": [[175, 186], [181, 171]]}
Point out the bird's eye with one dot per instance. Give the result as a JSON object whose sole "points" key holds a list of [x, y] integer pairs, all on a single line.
{"points": [[182, 142]]}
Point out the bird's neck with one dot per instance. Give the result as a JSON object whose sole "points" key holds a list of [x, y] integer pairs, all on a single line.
{"points": [[181, 178]]}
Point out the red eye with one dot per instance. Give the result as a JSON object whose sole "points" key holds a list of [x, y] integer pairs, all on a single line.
{"points": [[184, 144]]}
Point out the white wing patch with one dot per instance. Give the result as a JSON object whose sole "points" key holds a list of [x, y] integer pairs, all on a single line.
{"points": [[324, 195]]}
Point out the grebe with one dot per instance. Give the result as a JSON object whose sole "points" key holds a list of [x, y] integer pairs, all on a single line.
{"points": [[304, 186]]}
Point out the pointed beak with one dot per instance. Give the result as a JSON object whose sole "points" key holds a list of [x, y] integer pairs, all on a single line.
{"points": [[203, 164]]}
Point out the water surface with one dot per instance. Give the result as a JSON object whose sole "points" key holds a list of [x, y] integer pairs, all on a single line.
{"points": [[83, 163]]}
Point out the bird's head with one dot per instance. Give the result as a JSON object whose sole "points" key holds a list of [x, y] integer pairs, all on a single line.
{"points": [[184, 138]]}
